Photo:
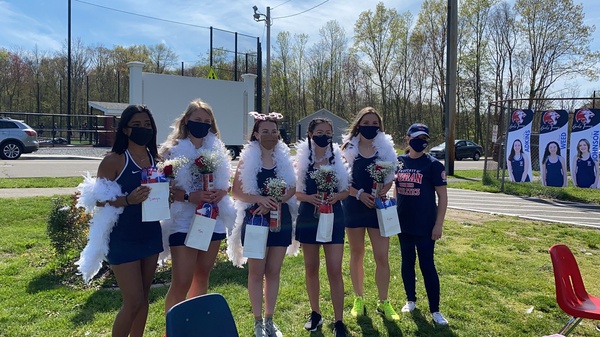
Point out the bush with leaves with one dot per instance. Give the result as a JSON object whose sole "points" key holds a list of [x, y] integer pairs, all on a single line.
{"points": [[67, 227]]}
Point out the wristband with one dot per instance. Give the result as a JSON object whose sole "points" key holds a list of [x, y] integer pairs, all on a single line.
{"points": [[358, 193], [127, 201]]}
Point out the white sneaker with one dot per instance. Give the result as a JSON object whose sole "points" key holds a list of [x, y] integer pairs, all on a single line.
{"points": [[271, 330], [259, 328], [409, 306], [438, 318]]}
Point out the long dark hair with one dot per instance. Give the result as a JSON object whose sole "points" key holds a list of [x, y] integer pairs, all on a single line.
{"points": [[122, 141], [547, 151], [311, 127], [511, 156]]}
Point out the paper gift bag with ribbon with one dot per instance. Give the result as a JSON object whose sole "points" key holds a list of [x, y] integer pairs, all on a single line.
{"points": [[325, 226], [255, 238], [156, 206], [387, 216], [200, 233]]}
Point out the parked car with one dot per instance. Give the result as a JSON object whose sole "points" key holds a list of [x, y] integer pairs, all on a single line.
{"points": [[462, 149], [16, 138]]}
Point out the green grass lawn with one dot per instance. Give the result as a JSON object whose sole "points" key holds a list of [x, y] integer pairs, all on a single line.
{"points": [[495, 271]]}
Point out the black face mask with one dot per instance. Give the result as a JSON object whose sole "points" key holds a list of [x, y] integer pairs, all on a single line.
{"points": [[198, 129], [368, 131], [418, 144], [322, 140], [141, 136]]}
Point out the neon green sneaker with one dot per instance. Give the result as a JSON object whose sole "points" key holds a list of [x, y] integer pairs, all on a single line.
{"points": [[358, 309], [386, 309]]}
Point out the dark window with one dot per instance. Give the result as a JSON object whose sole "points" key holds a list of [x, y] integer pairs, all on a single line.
{"points": [[8, 125]]}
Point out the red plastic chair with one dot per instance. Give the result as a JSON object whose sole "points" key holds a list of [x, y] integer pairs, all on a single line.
{"points": [[571, 295]]}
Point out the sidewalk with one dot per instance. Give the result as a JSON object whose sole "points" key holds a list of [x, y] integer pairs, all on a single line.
{"points": [[35, 192]]}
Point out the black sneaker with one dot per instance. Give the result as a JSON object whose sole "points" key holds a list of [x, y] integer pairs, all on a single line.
{"points": [[314, 321], [339, 329]]}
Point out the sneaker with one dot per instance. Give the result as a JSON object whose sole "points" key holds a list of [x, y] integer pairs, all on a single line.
{"points": [[386, 309], [409, 306], [339, 329], [439, 319], [358, 309], [259, 328], [314, 321], [271, 330]]}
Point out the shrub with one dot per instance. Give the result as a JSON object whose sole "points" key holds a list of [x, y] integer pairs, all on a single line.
{"points": [[67, 226]]}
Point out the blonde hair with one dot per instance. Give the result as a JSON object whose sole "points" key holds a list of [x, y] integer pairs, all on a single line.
{"points": [[353, 128], [180, 130]]}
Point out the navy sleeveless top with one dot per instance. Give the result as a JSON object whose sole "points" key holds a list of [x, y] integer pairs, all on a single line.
{"points": [[131, 239], [356, 213], [586, 174], [554, 173], [518, 168]]}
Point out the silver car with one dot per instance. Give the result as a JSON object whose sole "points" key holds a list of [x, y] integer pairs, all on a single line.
{"points": [[16, 138]]}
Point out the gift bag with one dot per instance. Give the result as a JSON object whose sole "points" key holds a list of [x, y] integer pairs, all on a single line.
{"points": [[255, 239], [325, 227], [387, 217], [200, 233], [156, 206]]}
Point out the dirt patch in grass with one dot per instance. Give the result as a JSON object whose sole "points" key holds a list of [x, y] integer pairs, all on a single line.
{"points": [[461, 216]]}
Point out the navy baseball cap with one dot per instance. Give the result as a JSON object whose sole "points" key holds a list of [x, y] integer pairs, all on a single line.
{"points": [[417, 129]]}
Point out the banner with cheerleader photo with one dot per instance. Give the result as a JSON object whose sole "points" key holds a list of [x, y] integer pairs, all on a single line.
{"points": [[518, 149], [554, 129], [583, 151]]}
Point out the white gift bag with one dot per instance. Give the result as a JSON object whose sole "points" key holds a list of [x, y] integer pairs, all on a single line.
{"points": [[388, 221], [200, 233], [156, 206], [255, 241], [325, 227]]}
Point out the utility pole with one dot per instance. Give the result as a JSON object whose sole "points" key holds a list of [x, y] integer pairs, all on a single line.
{"points": [[69, 79], [267, 18], [451, 68]]}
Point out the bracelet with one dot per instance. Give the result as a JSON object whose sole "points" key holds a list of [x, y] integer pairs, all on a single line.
{"points": [[358, 193], [127, 201]]}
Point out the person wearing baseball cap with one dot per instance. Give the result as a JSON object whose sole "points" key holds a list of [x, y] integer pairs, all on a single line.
{"points": [[418, 179]]}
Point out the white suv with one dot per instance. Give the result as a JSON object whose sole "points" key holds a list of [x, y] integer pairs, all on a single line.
{"points": [[16, 138]]}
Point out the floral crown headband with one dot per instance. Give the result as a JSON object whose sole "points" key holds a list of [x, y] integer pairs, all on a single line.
{"points": [[263, 117]]}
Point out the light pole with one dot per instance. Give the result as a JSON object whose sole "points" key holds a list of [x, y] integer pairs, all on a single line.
{"points": [[267, 19]]}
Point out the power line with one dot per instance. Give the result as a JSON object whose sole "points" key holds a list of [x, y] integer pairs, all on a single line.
{"points": [[158, 19], [289, 16], [281, 4]]}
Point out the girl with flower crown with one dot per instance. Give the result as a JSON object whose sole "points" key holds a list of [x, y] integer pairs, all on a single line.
{"points": [[195, 134], [365, 144], [265, 157], [314, 153]]}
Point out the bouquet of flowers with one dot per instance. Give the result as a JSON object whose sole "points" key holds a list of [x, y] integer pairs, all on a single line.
{"points": [[204, 166], [170, 167], [275, 188], [378, 171], [327, 182]]}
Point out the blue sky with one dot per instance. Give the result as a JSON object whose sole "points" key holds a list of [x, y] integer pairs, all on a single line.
{"points": [[26, 24]]}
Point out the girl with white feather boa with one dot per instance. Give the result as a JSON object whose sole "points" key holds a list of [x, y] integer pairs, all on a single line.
{"points": [[311, 154], [366, 143], [264, 157], [194, 133], [117, 233]]}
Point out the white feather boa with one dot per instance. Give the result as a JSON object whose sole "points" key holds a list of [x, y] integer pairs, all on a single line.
{"points": [[383, 144], [93, 190], [183, 180], [302, 163], [250, 157]]}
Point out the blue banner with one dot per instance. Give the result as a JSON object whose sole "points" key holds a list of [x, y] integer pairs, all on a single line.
{"points": [[585, 139], [518, 156], [554, 129]]}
